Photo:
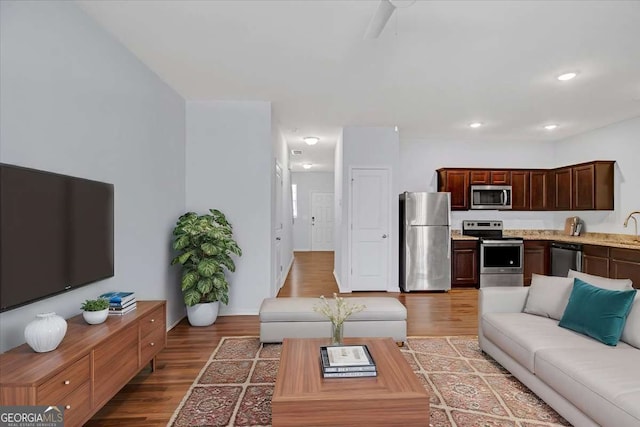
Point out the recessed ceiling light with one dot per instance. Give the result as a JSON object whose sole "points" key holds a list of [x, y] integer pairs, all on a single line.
{"points": [[550, 127], [311, 140], [475, 125], [567, 76], [307, 165]]}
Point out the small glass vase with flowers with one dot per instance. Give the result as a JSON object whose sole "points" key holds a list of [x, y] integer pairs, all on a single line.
{"points": [[337, 311]]}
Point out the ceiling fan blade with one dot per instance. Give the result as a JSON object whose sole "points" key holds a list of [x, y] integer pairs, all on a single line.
{"points": [[379, 20]]}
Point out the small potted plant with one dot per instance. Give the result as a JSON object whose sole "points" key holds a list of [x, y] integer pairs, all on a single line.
{"points": [[95, 311]]}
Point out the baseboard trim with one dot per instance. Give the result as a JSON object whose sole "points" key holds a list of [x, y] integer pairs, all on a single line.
{"points": [[340, 288], [286, 272]]}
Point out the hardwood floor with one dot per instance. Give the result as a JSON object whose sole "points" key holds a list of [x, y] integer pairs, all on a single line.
{"points": [[150, 398]]}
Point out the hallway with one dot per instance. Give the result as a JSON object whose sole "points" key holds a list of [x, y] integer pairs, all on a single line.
{"points": [[428, 313]]}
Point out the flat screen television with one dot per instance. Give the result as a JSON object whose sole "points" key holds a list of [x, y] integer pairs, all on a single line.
{"points": [[56, 234]]}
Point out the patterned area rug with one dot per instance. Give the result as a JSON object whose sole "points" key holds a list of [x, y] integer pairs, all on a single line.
{"points": [[467, 388]]}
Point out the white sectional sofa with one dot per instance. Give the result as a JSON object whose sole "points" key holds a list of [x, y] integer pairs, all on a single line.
{"points": [[587, 382]]}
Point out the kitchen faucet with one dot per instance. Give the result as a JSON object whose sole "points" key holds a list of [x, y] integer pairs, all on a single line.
{"points": [[626, 222]]}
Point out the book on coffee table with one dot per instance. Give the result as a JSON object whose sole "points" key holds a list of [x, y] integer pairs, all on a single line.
{"points": [[349, 374], [347, 361]]}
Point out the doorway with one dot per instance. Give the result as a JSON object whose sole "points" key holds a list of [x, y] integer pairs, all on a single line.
{"points": [[369, 241], [321, 221]]}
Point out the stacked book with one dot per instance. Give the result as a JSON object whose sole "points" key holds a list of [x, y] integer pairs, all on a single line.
{"points": [[120, 302], [347, 361]]}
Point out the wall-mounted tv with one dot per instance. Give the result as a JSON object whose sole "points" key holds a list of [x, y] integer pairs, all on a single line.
{"points": [[56, 234]]}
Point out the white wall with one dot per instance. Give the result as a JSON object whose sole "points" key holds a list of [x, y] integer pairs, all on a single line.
{"points": [[74, 101], [617, 142], [308, 183], [369, 147], [229, 167]]}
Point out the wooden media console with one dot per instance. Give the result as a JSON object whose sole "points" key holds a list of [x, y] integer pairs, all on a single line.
{"points": [[89, 367]]}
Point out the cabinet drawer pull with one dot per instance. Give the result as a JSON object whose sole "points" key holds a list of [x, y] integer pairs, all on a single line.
{"points": [[152, 344], [152, 320], [67, 407], [67, 382]]}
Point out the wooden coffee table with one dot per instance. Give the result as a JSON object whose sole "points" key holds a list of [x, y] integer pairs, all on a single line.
{"points": [[303, 398]]}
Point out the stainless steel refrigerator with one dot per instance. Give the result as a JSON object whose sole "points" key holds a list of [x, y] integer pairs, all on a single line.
{"points": [[425, 241]]}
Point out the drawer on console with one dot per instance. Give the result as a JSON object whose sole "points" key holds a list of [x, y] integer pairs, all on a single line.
{"points": [[77, 405], [152, 322], [151, 345], [55, 388]]}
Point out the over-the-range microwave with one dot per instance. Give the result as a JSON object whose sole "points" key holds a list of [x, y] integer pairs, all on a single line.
{"points": [[490, 197]]}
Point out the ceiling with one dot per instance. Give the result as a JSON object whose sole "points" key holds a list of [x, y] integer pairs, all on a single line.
{"points": [[436, 67]]}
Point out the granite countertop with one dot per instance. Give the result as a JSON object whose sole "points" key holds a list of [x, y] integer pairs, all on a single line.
{"points": [[602, 239]]}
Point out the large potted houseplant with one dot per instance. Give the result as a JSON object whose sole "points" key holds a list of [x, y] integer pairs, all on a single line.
{"points": [[204, 244]]}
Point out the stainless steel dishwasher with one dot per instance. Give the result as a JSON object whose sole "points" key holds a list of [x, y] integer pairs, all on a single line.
{"points": [[565, 257]]}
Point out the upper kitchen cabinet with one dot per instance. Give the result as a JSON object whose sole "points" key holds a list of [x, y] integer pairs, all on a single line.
{"points": [[537, 190], [479, 177], [593, 186], [561, 189], [485, 177], [520, 199], [585, 186], [500, 177], [456, 182]]}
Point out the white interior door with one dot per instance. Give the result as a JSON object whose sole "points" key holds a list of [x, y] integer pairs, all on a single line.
{"points": [[370, 227], [321, 221], [278, 231]]}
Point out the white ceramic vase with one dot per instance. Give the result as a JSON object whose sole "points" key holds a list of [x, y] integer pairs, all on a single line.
{"points": [[46, 332], [204, 314], [95, 317]]}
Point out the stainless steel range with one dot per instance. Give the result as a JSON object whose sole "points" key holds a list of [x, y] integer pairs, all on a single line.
{"points": [[501, 258]]}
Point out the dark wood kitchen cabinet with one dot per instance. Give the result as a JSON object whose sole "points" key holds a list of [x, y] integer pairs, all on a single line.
{"points": [[584, 186], [464, 263], [587, 186], [538, 190], [562, 189], [615, 263], [595, 260], [625, 264], [536, 259], [520, 199], [500, 177], [593, 186], [485, 177], [479, 177], [455, 181]]}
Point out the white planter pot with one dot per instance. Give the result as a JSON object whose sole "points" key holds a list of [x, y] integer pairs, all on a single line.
{"points": [[204, 314], [46, 332], [95, 317]]}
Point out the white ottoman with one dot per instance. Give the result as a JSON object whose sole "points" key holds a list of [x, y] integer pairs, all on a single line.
{"points": [[294, 318]]}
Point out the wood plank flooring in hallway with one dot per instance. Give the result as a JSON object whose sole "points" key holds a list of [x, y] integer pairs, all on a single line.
{"points": [[150, 398]]}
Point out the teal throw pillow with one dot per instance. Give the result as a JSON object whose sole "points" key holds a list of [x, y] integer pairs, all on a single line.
{"points": [[596, 312]]}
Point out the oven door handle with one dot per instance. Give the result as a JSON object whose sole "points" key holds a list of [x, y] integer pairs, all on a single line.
{"points": [[502, 243]]}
